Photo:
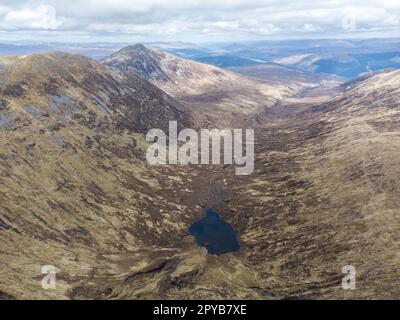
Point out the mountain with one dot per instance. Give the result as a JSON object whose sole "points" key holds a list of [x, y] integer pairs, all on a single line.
{"points": [[324, 195], [92, 50], [8, 49], [302, 82], [348, 58], [353, 82], [343, 65], [181, 49], [76, 191], [71, 85], [203, 88], [299, 61], [224, 60]]}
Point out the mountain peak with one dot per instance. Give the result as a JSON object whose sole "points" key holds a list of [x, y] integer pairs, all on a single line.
{"points": [[196, 84], [136, 47], [140, 59]]}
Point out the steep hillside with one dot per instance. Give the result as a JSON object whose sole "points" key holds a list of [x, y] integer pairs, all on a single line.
{"points": [[203, 88], [77, 193], [324, 194], [75, 189], [67, 85]]}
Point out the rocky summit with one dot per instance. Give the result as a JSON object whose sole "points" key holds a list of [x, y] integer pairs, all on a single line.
{"points": [[216, 97]]}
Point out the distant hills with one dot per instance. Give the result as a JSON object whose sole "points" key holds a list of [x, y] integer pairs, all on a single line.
{"points": [[92, 50], [345, 58], [348, 66], [221, 60], [296, 79]]}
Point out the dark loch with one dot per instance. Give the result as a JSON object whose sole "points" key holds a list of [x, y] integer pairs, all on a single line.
{"points": [[213, 233]]}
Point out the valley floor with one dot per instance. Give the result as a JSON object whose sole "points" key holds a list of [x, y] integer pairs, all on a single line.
{"points": [[300, 218]]}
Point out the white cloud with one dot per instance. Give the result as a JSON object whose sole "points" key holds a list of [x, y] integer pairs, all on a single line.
{"points": [[309, 27], [41, 17], [188, 18]]}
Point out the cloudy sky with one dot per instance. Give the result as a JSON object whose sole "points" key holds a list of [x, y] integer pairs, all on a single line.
{"points": [[196, 20]]}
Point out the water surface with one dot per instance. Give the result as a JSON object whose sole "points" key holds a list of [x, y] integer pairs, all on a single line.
{"points": [[215, 234]]}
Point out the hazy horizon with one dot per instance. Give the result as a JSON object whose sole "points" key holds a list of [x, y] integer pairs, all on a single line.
{"points": [[171, 41]]}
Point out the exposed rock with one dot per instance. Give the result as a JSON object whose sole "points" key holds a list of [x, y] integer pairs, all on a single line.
{"points": [[207, 90]]}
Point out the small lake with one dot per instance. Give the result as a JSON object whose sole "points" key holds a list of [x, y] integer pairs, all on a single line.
{"points": [[213, 233]]}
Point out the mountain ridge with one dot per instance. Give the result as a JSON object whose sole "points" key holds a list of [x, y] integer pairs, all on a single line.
{"points": [[201, 87], [87, 79]]}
